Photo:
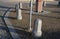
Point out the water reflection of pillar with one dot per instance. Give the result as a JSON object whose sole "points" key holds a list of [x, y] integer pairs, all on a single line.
{"points": [[39, 5]]}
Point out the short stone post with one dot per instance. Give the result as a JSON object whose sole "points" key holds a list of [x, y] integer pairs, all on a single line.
{"points": [[18, 11], [37, 32], [44, 3]]}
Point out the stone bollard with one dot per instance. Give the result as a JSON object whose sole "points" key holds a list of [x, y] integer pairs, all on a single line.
{"points": [[44, 3], [37, 32], [19, 12], [19, 15]]}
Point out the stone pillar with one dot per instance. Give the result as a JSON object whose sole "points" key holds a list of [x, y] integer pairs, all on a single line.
{"points": [[39, 5]]}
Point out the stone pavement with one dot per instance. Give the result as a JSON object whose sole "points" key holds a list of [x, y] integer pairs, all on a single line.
{"points": [[51, 22]]}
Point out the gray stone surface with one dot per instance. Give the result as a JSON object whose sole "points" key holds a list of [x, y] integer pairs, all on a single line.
{"points": [[3, 32]]}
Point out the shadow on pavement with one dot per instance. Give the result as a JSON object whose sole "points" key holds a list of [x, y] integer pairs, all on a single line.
{"points": [[6, 7]]}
